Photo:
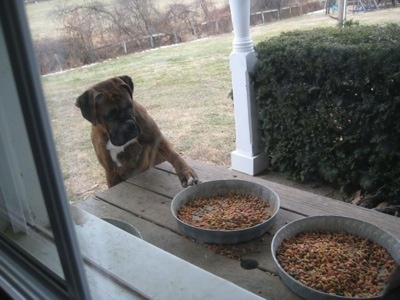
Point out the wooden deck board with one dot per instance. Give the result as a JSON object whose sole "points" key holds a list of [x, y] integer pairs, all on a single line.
{"points": [[141, 202], [301, 202], [145, 199], [265, 284], [156, 209]]}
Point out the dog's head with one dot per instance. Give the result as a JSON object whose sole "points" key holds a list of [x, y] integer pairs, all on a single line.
{"points": [[109, 104]]}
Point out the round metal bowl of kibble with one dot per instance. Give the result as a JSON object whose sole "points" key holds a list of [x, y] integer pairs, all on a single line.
{"points": [[225, 211], [334, 257]]}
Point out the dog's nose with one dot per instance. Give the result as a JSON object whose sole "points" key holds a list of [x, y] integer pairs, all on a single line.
{"points": [[130, 125]]}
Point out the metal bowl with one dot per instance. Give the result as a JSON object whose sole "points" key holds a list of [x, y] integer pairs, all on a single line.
{"points": [[220, 188], [124, 226], [332, 224]]}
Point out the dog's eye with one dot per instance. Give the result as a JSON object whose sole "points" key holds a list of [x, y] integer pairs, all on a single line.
{"points": [[112, 114]]}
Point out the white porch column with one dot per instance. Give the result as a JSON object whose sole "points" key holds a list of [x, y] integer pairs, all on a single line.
{"points": [[342, 10], [246, 158]]}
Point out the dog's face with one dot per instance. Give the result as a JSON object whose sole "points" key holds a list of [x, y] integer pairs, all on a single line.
{"points": [[109, 104]]}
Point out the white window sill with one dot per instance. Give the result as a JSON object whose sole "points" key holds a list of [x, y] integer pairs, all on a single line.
{"points": [[122, 266]]}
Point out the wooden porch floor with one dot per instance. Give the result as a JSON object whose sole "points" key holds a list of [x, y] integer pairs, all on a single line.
{"points": [[144, 201]]}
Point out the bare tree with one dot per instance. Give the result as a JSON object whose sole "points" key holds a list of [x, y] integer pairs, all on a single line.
{"points": [[80, 22], [268, 4], [126, 19], [181, 15], [137, 16], [135, 22], [205, 6]]}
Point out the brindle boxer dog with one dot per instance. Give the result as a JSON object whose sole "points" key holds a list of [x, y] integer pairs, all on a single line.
{"points": [[125, 138]]}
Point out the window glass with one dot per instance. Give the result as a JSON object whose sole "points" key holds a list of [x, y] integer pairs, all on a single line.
{"points": [[39, 256], [23, 215]]}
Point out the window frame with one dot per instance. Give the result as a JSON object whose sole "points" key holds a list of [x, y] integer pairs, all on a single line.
{"points": [[20, 274]]}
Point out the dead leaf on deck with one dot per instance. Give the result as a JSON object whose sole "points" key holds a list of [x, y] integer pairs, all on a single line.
{"points": [[356, 199]]}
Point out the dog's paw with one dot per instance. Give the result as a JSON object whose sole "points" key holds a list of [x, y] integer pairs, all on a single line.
{"points": [[189, 179], [191, 182]]}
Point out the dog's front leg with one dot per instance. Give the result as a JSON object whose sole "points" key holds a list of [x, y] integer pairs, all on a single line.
{"points": [[186, 174], [161, 149], [112, 178]]}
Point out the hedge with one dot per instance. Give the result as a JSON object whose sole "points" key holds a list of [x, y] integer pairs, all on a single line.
{"points": [[329, 103]]}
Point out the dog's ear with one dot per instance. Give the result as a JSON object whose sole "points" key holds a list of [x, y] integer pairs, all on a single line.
{"points": [[87, 104], [129, 83]]}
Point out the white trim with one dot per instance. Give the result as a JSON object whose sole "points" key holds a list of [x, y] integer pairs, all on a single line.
{"points": [[246, 158], [251, 165], [120, 265], [18, 173]]}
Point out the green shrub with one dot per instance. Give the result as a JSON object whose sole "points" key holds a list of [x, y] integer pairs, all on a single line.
{"points": [[329, 101]]}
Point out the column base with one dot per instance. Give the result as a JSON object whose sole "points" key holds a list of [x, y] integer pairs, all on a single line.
{"points": [[251, 165]]}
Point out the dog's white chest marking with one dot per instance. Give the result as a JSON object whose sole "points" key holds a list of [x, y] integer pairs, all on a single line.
{"points": [[115, 150]]}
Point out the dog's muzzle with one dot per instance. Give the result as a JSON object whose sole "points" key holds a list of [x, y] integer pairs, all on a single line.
{"points": [[125, 132]]}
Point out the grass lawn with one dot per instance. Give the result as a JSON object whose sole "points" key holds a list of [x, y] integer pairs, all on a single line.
{"points": [[184, 87]]}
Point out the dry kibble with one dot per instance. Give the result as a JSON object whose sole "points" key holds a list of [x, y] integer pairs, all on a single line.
{"points": [[230, 212], [337, 263]]}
